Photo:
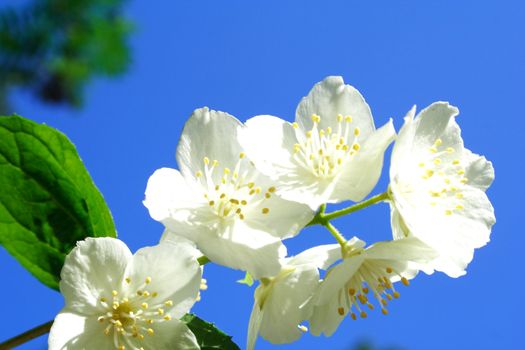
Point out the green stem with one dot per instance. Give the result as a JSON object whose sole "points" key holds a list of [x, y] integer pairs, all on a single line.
{"points": [[319, 217], [26, 336], [335, 232], [353, 208]]}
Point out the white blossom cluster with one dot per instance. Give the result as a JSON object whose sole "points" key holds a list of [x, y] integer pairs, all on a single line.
{"points": [[243, 188]]}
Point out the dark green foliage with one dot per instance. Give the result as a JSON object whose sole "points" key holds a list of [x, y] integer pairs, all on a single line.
{"points": [[54, 47], [208, 336], [48, 200]]}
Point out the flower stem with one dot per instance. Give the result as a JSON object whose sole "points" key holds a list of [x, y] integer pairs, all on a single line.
{"points": [[353, 208], [335, 232], [26, 336], [319, 217]]}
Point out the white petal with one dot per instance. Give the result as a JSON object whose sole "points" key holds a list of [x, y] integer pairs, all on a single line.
{"points": [[360, 175], [454, 236], [325, 318], [268, 141], [173, 334], [403, 144], [283, 311], [406, 249], [330, 98], [406, 256], [418, 135], [336, 279], [210, 134], [173, 270], [322, 256], [304, 187], [254, 326], [94, 266], [399, 228], [279, 217], [167, 235], [169, 195], [74, 332], [479, 171], [242, 247]]}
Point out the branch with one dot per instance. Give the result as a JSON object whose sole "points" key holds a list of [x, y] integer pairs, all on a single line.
{"points": [[26, 336]]}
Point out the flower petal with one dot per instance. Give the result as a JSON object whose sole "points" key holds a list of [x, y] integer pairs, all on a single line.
{"points": [[170, 270], [210, 134], [322, 256], [173, 334], [71, 331], [279, 217], [332, 97], [242, 247], [303, 187], [283, 310], [418, 135], [453, 236], [169, 195], [268, 141], [399, 228], [325, 318], [479, 170], [336, 278], [254, 325], [361, 174], [406, 256], [176, 239], [406, 249], [94, 266]]}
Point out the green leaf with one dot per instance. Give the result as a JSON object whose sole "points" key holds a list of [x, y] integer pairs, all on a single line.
{"points": [[48, 200], [208, 336], [247, 280]]}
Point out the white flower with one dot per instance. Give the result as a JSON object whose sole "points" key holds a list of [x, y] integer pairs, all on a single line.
{"points": [[220, 201], [116, 300], [437, 189], [281, 302], [363, 273], [331, 153]]}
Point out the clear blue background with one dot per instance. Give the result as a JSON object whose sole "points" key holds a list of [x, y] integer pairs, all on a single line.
{"points": [[262, 57]]}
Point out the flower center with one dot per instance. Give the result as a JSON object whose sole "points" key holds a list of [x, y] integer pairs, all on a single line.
{"points": [[122, 313], [324, 151], [130, 317], [371, 278], [231, 193], [445, 175]]}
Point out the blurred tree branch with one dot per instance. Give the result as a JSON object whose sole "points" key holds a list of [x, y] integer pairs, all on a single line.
{"points": [[54, 47]]}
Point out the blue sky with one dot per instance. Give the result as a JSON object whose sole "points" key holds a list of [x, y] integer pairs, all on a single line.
{"points": [[261, 58]]}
